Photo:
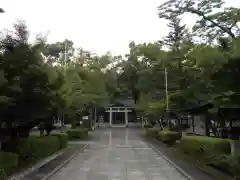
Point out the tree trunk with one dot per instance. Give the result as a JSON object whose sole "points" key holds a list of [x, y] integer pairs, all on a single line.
{"points": [[206, 124]]}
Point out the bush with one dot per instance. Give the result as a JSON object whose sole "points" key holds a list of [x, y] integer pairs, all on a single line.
{"points": [[152, 132], [8, 162], [148, 126], [206, 147], [2, 174], [168, 137], [77, 134], [63, 139], [35, 148], [227, 163]]}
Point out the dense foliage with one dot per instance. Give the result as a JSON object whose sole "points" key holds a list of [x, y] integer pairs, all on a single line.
{"points": [[42, 81], [202, 63], [34, 90]]}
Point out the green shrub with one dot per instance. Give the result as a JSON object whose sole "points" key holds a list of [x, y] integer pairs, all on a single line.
{"points": [[35, 148], [77, 134], [2, 174], [8, 162], [152, 132], [227, 163], [63, 139], [206, 147], [44, 146], [168, 137], [148, 126]]}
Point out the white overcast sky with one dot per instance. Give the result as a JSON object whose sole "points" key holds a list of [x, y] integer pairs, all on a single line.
{"points": [[95, 25]]}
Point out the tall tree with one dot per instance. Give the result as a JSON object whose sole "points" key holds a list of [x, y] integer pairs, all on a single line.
{"points": [[129, 74], [178, 37], [214, 21], [28, 88], [55, 53]]}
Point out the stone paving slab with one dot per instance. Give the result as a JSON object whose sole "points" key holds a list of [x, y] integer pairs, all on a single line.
{"points": [[118, 154]]}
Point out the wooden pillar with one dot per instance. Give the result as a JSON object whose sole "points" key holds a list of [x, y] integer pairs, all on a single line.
{"points": [[110, 139], [126, 117], [95, 118], [110, 117]]}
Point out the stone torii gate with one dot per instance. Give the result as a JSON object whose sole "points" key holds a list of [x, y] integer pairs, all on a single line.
{"points": [[126, 110]]}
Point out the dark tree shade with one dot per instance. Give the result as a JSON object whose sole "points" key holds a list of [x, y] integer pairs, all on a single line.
{"points": [[1, 10]]}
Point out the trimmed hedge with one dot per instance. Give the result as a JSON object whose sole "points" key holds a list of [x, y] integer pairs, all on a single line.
{"points": [[29, 150], [8, 163], [168, 137], [35, 148], [206, 147], [152, 132], [227, 163], [63, 139], [3, 175], [77, 134]]}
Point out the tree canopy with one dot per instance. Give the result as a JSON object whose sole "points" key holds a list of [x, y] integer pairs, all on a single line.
{"points": [[42, 80]]}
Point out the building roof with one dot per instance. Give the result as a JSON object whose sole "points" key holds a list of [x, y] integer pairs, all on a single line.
{"points": [[198, 109], [231, 112], [127, 102]]}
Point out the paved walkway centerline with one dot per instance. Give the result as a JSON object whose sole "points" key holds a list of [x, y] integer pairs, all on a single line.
{"points": [[118, 154]]}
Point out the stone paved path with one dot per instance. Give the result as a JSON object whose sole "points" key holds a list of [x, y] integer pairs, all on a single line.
{"points": [[118, 154]]}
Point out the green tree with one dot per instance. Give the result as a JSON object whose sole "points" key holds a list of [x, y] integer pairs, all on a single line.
{"points": [[129, 73], [28, 90], [55, 53], [214, 21], [85, 84]]}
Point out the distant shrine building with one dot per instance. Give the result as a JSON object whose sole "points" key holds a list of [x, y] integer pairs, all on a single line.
{"points": [[119, 114]]}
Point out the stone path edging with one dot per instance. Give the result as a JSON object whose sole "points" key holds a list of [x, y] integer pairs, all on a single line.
{"points": [[171, 162], [63, 164], [209, 174], [21, 175]]}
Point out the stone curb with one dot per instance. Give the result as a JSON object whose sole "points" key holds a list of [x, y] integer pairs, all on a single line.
{"points": [[63, 164], [172, 163], [205, 172], [21, 175]]}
